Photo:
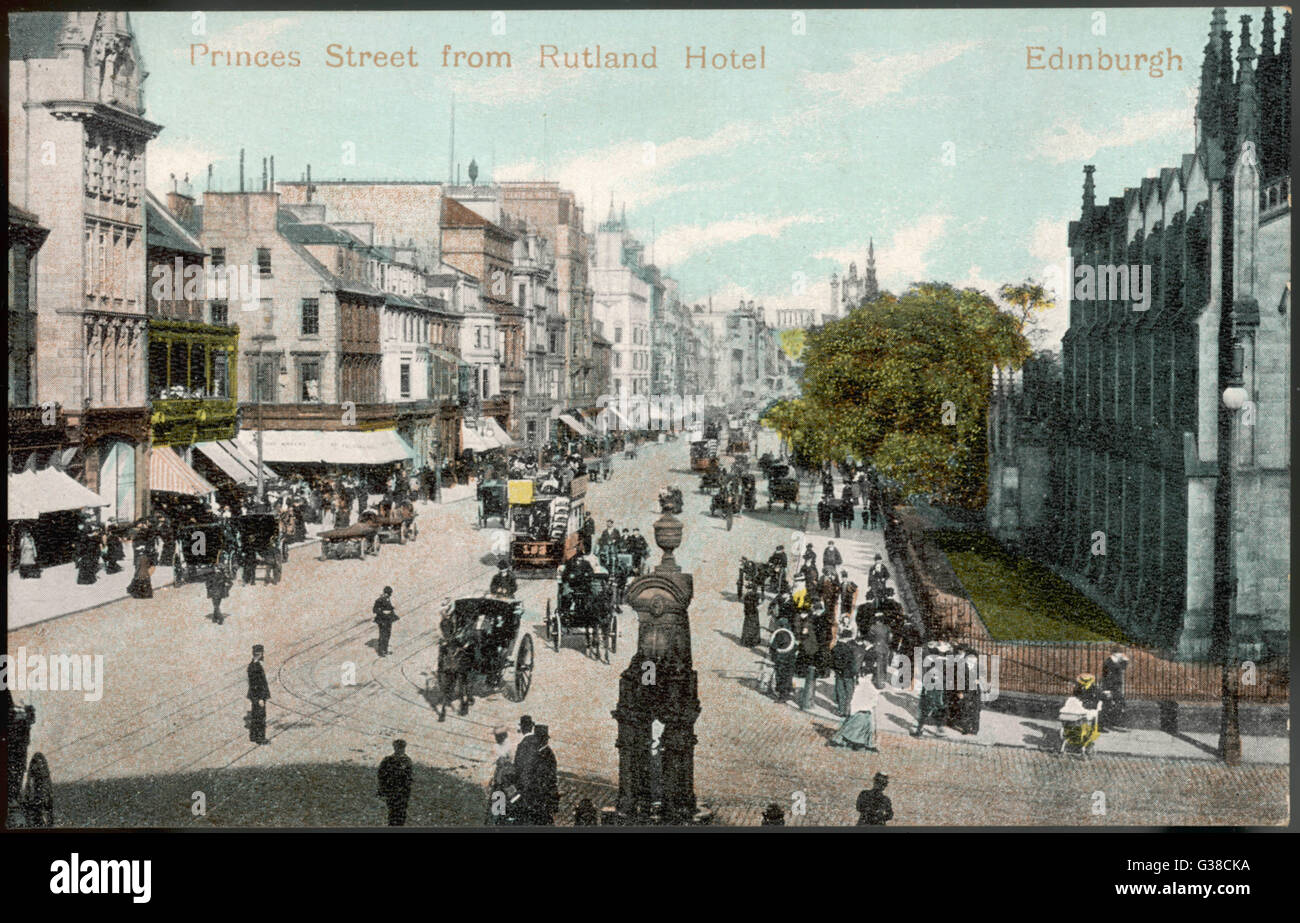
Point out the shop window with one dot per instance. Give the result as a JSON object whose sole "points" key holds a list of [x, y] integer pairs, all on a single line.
{"points": [[309, 381]]}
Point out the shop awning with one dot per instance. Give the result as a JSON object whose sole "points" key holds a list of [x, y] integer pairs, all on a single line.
{"points": [[34, 493], [497, 434], [316, 447], [474, 440], [169, 474], [234, 462], [574, 424]]}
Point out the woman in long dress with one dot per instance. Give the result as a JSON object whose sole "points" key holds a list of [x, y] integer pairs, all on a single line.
{"points": [[27, 566], [141, 586], [859, 729]]}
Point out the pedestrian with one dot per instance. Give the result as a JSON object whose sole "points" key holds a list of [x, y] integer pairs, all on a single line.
{"points": [[783, 649], [395, 774], [385, 616], [830, 597], [88, 552], [504, 797], [858, 731], [113, 553], [258, 693], [809, 655], [503, 582], [933, 706], [848, 597], [777, 566], [526, 747], [342, 511], [587, 532], [877, 580], [218, 586], [874, 807], [1113, 674], [968, 698], [823, 514], [879, 636], [38, 793], [809, 556], [541, 795], [832, 559], [141, 585], [844, 663], [749, 631], [28, 569], [773, 816]]}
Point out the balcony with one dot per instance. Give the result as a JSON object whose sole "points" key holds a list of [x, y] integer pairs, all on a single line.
{"points": [[186, 420]]}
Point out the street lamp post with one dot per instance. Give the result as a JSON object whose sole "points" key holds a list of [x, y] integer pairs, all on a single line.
{"points": [[1225, 572]]}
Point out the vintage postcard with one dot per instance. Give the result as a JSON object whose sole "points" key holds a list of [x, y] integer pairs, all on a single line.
{"points": [[630, 418]]}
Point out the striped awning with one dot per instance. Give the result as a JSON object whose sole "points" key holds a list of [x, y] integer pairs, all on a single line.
{"points": [[574, 424], [234, 462], [170, 475]]}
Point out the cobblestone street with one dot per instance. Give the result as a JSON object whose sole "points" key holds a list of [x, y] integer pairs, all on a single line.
{"points": [[169, 723]]}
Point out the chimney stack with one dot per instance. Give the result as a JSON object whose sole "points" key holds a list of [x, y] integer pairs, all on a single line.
{"points": [[241, 169], [273, 173], [264, 174]]}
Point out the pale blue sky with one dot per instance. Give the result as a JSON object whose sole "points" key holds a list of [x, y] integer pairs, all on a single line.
{"points": [[748, 178]]}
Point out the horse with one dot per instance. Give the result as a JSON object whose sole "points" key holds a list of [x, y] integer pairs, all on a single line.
{"points": [[455, 676]]}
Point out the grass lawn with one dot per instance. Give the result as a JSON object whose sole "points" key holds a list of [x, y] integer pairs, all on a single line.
{"points": [[1019, 599]]}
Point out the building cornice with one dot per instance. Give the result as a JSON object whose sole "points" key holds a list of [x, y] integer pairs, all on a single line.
{"points": [[85, 110]]}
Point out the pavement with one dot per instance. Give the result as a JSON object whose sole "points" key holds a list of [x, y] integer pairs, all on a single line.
{"points": [[165, 745]]}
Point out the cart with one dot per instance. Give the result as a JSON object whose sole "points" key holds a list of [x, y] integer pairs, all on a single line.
{"points": [[203, 548], [586, 601], [781, 487], [544, 528], [396, 524], [484, 637], [670, 500], [492, 502], [260, 545], [702, 452], [354, 541]]}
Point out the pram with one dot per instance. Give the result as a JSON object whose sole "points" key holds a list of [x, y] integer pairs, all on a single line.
{"points": [[1079, 726]]}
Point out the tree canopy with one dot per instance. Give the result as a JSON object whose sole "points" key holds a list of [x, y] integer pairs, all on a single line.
{"points": [[904, 383]]}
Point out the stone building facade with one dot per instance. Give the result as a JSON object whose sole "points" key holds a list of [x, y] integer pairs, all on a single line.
{"points": [[1136, 456]]}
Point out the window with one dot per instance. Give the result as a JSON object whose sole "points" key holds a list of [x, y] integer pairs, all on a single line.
{"points": [[618, 334], [310, 317], [523, 292], [218, 256], [478, 337], [404, 377], [484, 392], [263, 261], [309, 380], [618, 360], [220, 313], [220, 373]]}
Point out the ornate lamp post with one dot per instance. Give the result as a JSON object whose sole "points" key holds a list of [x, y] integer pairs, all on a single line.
{"points": [[1225, 572], [659, 684]]}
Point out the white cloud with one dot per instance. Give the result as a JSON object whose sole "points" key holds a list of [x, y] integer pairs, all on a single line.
{"points": [[683, 241], [1047, 240], [1068, 140], [871, 79], [634, 172], [901, 260], [180, 157]]}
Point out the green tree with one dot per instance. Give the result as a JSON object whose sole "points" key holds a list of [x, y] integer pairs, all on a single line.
{"points": [[905, 383], [793, 342]]}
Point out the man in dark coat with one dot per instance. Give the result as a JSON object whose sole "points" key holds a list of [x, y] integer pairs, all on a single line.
{"points": [[87, 555], [844, 661], [541, 791], [877, 579], [879, 636], [848, 596], [874, 806], [1113, 673], [218, 586], [823, 514], [385, 616], [503, 581], [779, 565], [968, 698], [809, 655], [395, 773], [832, 559], [749, 631], [587, 532], [783, 649], [258, 692], [526, 749]]}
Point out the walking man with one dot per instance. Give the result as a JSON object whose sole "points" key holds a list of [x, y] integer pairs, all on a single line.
{"points": [[831, 559], [879, 635], [385, 616], [874, 806], [258, 692], [541, 794], [395, 772], [526, 748], [586, 533], [218, 589], [844, 661]]}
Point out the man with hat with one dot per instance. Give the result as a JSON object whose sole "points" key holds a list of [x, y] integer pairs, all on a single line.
{"points": [[846, 658], [503, 582], [541, 794], [934, 701], [385, 616], [874, 806], [258, 692], [877, 578], [395, 773], [778, 565], [526, 748]]}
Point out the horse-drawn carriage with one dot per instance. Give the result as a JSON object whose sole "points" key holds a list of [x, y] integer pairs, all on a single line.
{"points": [[782, 487], [703, 452], [748, 492], [260, 544], [203, 548], [738, 446], [758, 574], [493, 502], [544, 526], [587, 601], [727, 500], [354, 541], [483, 637], [395, 523]]}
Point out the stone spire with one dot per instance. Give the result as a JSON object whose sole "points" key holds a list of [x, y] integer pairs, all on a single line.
{"points": [[1207, 101], [1266, 35], [1247, 98], [870, 289], [1089, 192], [1284, 51]]}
